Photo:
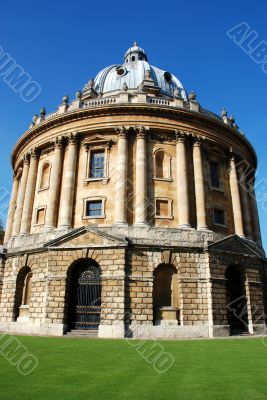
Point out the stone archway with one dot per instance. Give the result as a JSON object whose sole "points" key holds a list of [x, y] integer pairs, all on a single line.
{"points": [[84, 300], [237, 314], [165, 295]]}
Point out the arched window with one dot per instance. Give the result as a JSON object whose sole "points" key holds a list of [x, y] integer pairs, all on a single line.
{"points": [[162, 165], [23, 290], [45, 176]]}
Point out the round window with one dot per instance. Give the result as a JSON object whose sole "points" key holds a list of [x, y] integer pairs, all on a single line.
{"points": [[167, 77], [121, 71]]}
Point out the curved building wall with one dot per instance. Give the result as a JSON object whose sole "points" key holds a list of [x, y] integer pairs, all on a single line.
{"points": [[201, 186]]}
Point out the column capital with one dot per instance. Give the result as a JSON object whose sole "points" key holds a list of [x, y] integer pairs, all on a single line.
{"points": [[15, 176], [57, 142], [198, 141], [180, 136], [72, 138], [233, 155], [26, 159], [141, 132], [122, 132], [34, 153]]}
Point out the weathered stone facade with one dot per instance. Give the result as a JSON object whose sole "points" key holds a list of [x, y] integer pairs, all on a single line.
{"points": [[133, 213]]}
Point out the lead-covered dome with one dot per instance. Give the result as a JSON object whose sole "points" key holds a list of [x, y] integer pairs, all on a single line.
{"points": [[136, 74]]}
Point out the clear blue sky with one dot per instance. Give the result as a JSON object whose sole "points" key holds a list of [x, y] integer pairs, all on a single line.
{"points": [[61, 44]]}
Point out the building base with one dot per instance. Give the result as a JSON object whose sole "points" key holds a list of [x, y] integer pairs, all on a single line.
{"points": [[32, 328]]}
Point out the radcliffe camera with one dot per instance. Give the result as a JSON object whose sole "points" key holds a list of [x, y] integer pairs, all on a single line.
{"points": [[133, 202]]}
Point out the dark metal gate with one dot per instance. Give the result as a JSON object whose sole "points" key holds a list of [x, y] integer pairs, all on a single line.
{"points": [[85, 296]]}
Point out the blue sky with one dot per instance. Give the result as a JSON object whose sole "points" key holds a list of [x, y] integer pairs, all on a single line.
{"points": [[61, 44]]}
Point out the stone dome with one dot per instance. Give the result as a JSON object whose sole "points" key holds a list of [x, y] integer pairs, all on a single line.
{"points": [[135, 71]]}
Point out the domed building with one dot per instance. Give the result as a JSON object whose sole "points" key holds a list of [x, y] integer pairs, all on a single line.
{"points": [[133, 214]]}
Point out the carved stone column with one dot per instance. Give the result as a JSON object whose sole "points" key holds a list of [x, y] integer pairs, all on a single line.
{"points": [[236, 202], [182, 181], [255, 214], [11, 210], [21, 196], [29, 194], [141, 177], [199, 185], [244, 192], [121, 177], [68, 185], [55, 185]]}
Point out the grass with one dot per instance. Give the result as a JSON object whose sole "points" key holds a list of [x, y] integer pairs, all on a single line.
{"points": [[74, 369]]}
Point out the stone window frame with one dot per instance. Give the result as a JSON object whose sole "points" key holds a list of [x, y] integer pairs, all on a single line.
{"points": [[36, 214], [94, 198], [41, 189], [219, 207], [216, 158], [170, 208], [95, 146], [166, 179]]}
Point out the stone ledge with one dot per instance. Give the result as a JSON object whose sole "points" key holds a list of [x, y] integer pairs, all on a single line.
{"points": [[32, 328]]}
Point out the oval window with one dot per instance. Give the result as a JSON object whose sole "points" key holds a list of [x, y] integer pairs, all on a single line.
{"points": [[121, 71], [167, 77]]}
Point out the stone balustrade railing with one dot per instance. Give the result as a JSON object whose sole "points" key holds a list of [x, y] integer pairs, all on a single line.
{"points": [[136, 98]]}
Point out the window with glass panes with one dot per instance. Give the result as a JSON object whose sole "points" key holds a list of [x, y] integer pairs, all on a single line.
{"points": [[219, 216], [94, 208], [97, 164], [215, 174]]}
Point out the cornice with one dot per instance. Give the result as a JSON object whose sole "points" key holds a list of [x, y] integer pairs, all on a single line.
{"points": [[174, 113]]}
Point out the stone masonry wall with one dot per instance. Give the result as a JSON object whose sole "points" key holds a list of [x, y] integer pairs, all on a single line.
{"points": [[252, 268], [192, 285]]}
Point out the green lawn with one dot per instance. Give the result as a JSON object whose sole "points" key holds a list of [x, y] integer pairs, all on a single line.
{"points": [[73, 368]]}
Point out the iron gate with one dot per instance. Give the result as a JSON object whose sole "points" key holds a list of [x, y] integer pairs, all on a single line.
{"points": [[85, 297]]}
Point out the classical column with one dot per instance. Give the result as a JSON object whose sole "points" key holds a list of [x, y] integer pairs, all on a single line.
{"points": [[245, 202], [182, 181], [121, 177], [255, 214], [29, 194], [21, 195], [55, 184], [199, 185], [11, 210], [141, 177], [236, 202], [68, 187]]}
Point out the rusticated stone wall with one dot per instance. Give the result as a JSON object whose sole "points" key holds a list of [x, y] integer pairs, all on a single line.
{"points": [[251, 272], [127, 288]]}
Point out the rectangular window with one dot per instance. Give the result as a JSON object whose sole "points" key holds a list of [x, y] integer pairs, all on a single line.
{"points": [[215, 174], [162, 208], [94, 208], [40, 216], [219, 216], [97, 164]]}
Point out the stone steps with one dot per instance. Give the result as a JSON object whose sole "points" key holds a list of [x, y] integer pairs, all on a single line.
{"points": [[91, 333]]}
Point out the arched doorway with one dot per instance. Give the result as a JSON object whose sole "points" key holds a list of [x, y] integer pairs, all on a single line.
{"points": [[237, 315], [165, 294], [85, 296]]}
